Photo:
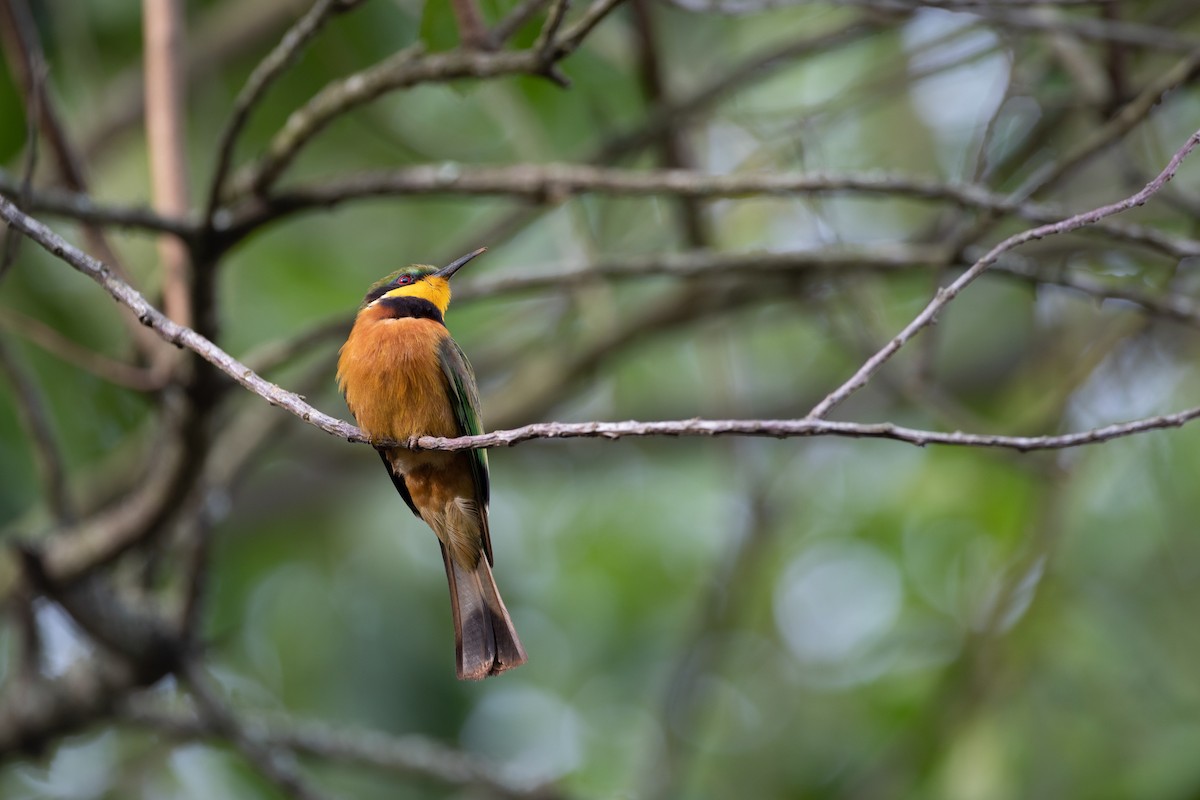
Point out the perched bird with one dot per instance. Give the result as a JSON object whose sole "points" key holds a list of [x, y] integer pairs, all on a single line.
{"points": [[403, 376]]}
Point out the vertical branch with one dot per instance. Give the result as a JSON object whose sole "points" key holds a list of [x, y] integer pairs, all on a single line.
{"points": [[163, 33]]}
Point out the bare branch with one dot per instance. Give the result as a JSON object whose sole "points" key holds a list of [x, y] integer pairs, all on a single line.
{"points": [[1121, 123], [549, 31], [737, 7], [803, 428], [170, 331], [38, 711], [472, 34], [281, 57], [811, 426], [26, 61], [264, 756], [573, 37], [222, 33], [52, 341], [553, 183], [945, 295], [81, 207], [139, 649], [407, 68], [408, 756], [509, 25]]}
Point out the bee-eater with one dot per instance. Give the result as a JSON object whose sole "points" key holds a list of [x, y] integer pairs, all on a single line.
{"points": [[403, 376]]}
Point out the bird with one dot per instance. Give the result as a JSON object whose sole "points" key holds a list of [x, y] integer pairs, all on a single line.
{"points": [[403, 377]]}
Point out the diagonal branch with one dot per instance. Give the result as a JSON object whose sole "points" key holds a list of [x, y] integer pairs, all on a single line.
{"points": [[263, 755], [406, 68], [282, 57], [945, 295], [405, 756]]}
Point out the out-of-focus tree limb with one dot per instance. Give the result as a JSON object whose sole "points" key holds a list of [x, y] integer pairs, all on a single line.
{"points": [[406, 68], [269, 69], [27, 61], [553, 183], [407, 756], [266, 757]]}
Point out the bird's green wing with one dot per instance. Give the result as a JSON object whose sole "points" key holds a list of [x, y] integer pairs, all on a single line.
{"points": [[464, 399]]}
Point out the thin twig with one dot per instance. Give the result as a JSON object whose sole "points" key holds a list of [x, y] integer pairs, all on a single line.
{"points": [[1121, 123], [509, 25], [81, 207], [739, 7], [54, 342], [792, 428], [271, 761], [169, 330], [220, 34], [281, 57], [545, 40], [945, 295], [407, 756], [574, 36], [553, 183], [811, 426]]}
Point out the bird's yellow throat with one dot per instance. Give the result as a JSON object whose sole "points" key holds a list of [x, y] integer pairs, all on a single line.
{"points": [[432, 288]]}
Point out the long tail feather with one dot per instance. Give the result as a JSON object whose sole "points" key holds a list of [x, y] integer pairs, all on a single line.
{"points": [[485, 641]]}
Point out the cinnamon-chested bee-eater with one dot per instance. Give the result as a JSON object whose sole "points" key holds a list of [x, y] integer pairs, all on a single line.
{"points": [[403, 376]]}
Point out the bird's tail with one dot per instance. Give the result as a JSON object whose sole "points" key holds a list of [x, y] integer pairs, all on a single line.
{"points": [[485, 642]]}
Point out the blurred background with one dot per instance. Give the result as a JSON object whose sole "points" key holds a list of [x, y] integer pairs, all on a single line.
{"points": [[705, 618]]}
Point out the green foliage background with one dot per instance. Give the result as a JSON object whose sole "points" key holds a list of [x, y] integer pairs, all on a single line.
{"points": [[704, 618]]}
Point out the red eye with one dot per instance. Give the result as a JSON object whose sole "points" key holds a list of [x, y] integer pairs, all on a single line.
{"points": [[404, 280]]}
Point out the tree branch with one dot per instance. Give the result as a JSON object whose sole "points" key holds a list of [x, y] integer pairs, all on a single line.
{"points": [[945, 295], [811, 426], [281, 57], [407, 756], [263, 755], [554, 183]]}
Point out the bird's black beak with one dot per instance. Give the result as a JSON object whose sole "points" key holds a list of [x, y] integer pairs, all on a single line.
{"points": [[453, 266]]}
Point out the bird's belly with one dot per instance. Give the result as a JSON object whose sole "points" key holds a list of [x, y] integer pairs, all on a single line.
{"points": [[393, 380]]}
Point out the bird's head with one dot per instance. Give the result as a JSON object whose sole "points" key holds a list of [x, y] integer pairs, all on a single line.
{"points": [[420, 281]]}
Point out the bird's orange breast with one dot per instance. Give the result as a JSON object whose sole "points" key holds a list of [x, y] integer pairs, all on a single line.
{"points": [[391, 374]]}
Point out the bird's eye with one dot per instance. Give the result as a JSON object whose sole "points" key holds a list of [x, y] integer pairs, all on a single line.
{"points": [[404, 280]]}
